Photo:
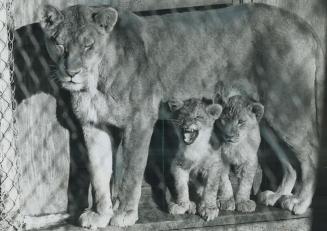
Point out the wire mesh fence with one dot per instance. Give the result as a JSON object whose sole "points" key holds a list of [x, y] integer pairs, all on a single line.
{"points": [[9, 173]]}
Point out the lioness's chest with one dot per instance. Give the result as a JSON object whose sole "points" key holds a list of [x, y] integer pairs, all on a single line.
{"points": [[97, 109]]}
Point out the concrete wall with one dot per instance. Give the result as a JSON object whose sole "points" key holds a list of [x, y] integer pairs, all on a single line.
{"points": [[26, 12]]}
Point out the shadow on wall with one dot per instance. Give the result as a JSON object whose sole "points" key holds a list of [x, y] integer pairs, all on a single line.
{"points": [[320, 200], [47, 170]]}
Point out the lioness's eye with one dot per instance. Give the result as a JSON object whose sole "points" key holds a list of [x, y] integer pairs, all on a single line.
{"points": [[60, 48], [89, 45], [241, 122]]}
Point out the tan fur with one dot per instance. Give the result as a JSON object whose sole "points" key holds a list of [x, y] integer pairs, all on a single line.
{"points": [[119, 67], [196, 158], [239, 139]]}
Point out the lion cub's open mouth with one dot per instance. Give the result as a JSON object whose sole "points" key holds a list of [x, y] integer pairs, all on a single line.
{"points": [[190, 136]]}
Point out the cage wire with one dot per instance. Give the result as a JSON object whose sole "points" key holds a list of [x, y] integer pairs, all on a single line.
{"points": [[9, 173]]}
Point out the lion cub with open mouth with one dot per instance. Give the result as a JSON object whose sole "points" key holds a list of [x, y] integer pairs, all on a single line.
{"points": [[195, 156]]}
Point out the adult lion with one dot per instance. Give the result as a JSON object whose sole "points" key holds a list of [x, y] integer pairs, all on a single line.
{"points": [[119, 67]]}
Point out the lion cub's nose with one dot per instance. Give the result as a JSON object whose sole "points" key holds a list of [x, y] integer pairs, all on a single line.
{"points": [[72, 73]]}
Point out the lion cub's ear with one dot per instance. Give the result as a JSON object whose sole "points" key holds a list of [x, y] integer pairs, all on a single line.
{"points": [[214, 110], [50, 18], [106, 18], [257, 109], [175, 105], [219, 95]]}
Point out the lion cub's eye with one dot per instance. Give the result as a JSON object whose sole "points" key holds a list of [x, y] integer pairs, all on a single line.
{"points": [[59, 47]]}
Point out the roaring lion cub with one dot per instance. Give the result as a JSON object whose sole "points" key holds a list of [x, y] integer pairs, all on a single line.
{"points": [[195, 156], [119, 67], [239, 135]]}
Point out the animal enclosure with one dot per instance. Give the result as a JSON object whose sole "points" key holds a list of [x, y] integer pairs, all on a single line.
{"points": [[49, 147]]}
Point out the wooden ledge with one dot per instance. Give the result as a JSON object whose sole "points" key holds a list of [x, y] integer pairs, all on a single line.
{"points": [[155, 219]]}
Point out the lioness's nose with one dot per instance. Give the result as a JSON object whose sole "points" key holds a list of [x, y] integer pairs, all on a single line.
{"points": [[72, 73], [228, 136]]}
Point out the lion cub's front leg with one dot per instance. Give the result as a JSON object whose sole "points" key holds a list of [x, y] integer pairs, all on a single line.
{"points": [[183, 203], [207, 208], [225, 199], [243, 202], [100, 169]]}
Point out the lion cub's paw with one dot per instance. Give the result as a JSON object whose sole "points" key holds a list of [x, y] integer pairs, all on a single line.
{"points": [[246, 206], [208, 212], [182, 208], [124, 218], [226, 204], [93, 220], [268, 198]]}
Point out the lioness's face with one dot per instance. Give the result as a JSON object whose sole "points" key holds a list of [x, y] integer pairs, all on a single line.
{"points": [[193, 115], [76, 39], [238, 118]]}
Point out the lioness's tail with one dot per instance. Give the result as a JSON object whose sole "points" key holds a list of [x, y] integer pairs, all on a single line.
{"points": [[319, 85]]}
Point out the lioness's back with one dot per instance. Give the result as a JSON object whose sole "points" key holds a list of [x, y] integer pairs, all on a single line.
{"points": [[215, 22], [196, 41]]}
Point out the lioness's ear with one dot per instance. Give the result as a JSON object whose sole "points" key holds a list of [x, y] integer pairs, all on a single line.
{"points": [[214, 110], [258, 110], [106, 18], [50, 18], [175, 104]]}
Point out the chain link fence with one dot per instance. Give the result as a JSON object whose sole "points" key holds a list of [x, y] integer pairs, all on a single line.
{"points": [[9, 174]]}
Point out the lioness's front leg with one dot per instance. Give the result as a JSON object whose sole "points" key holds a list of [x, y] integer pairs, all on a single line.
{"points": [[243, 202], [300, 202], [269, 198], [136, 142], [100, 169], [208, 206], [289, 174]]}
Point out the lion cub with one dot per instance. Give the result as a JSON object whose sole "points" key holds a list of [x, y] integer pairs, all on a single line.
{"points": [[237, 130], [195, 119]]}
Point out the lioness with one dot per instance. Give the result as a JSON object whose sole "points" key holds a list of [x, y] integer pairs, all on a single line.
{"points": [[119, 67], [239, 139], [194, 128]]}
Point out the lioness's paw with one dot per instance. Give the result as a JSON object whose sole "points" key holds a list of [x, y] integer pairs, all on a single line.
{"points": [[226, 204], [124, 218], [301, 207], [182, 208], [268, 198], [208, 212], [246, 206], [292, 203], [93, 220]]}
